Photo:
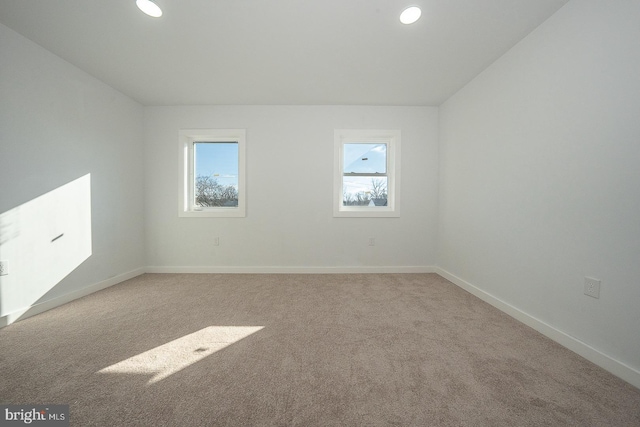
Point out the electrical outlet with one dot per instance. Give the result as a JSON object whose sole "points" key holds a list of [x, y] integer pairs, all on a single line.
{"points": [[216, 241], [4, 268], [372, 241], [592, 287]]}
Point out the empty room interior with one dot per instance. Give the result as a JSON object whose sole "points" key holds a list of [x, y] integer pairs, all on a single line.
{"points": [[311, 213]]}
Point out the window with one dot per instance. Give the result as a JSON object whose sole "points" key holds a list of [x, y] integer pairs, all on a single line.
{"points": [[212, 174], [367, 173]]}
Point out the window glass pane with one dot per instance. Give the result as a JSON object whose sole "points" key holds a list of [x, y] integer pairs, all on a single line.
{"points": [[364, 191], [365, 158], [215, 174]]}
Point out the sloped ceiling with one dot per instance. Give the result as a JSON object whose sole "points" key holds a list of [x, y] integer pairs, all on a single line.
{"points": [[279, 51]]}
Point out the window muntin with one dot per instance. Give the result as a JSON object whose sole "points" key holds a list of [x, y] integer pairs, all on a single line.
{"points": [[366, 179], [212, 173]]}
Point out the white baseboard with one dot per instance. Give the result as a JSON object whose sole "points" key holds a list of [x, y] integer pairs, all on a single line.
{"points": [[9, 318], [617, 368], [294, 270]]}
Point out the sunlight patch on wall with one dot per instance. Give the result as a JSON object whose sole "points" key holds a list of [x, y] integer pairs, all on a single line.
{"points": [[174, 356], [43, 241]]}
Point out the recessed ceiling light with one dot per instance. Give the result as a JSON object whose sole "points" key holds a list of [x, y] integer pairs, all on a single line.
{"points": [[410, 15], [149, 7]]}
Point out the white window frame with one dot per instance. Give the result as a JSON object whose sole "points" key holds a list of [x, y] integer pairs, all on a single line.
{"points": [[350, 136], [187, 139]]}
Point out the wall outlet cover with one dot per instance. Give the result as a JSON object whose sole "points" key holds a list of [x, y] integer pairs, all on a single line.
{"points": [[592, 287]]}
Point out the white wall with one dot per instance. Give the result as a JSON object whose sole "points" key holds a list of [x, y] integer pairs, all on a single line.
{"points": [[540, 176], [58, 124], [289, 220]]}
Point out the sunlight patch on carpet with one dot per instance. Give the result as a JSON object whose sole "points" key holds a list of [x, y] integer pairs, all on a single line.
{"points": [[172, 357]]}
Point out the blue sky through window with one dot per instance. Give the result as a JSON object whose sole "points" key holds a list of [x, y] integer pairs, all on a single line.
{"points": [[218, 160], [363, 158]]}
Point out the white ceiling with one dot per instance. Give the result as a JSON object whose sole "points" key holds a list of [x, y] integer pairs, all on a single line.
{"points": [[279, 51]]}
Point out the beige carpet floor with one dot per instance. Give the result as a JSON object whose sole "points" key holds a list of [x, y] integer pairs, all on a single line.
{"points": [[301, 350]]}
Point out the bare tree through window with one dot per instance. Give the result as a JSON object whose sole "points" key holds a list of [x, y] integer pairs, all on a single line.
{"points": [[209, 193], [375, 192]]}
